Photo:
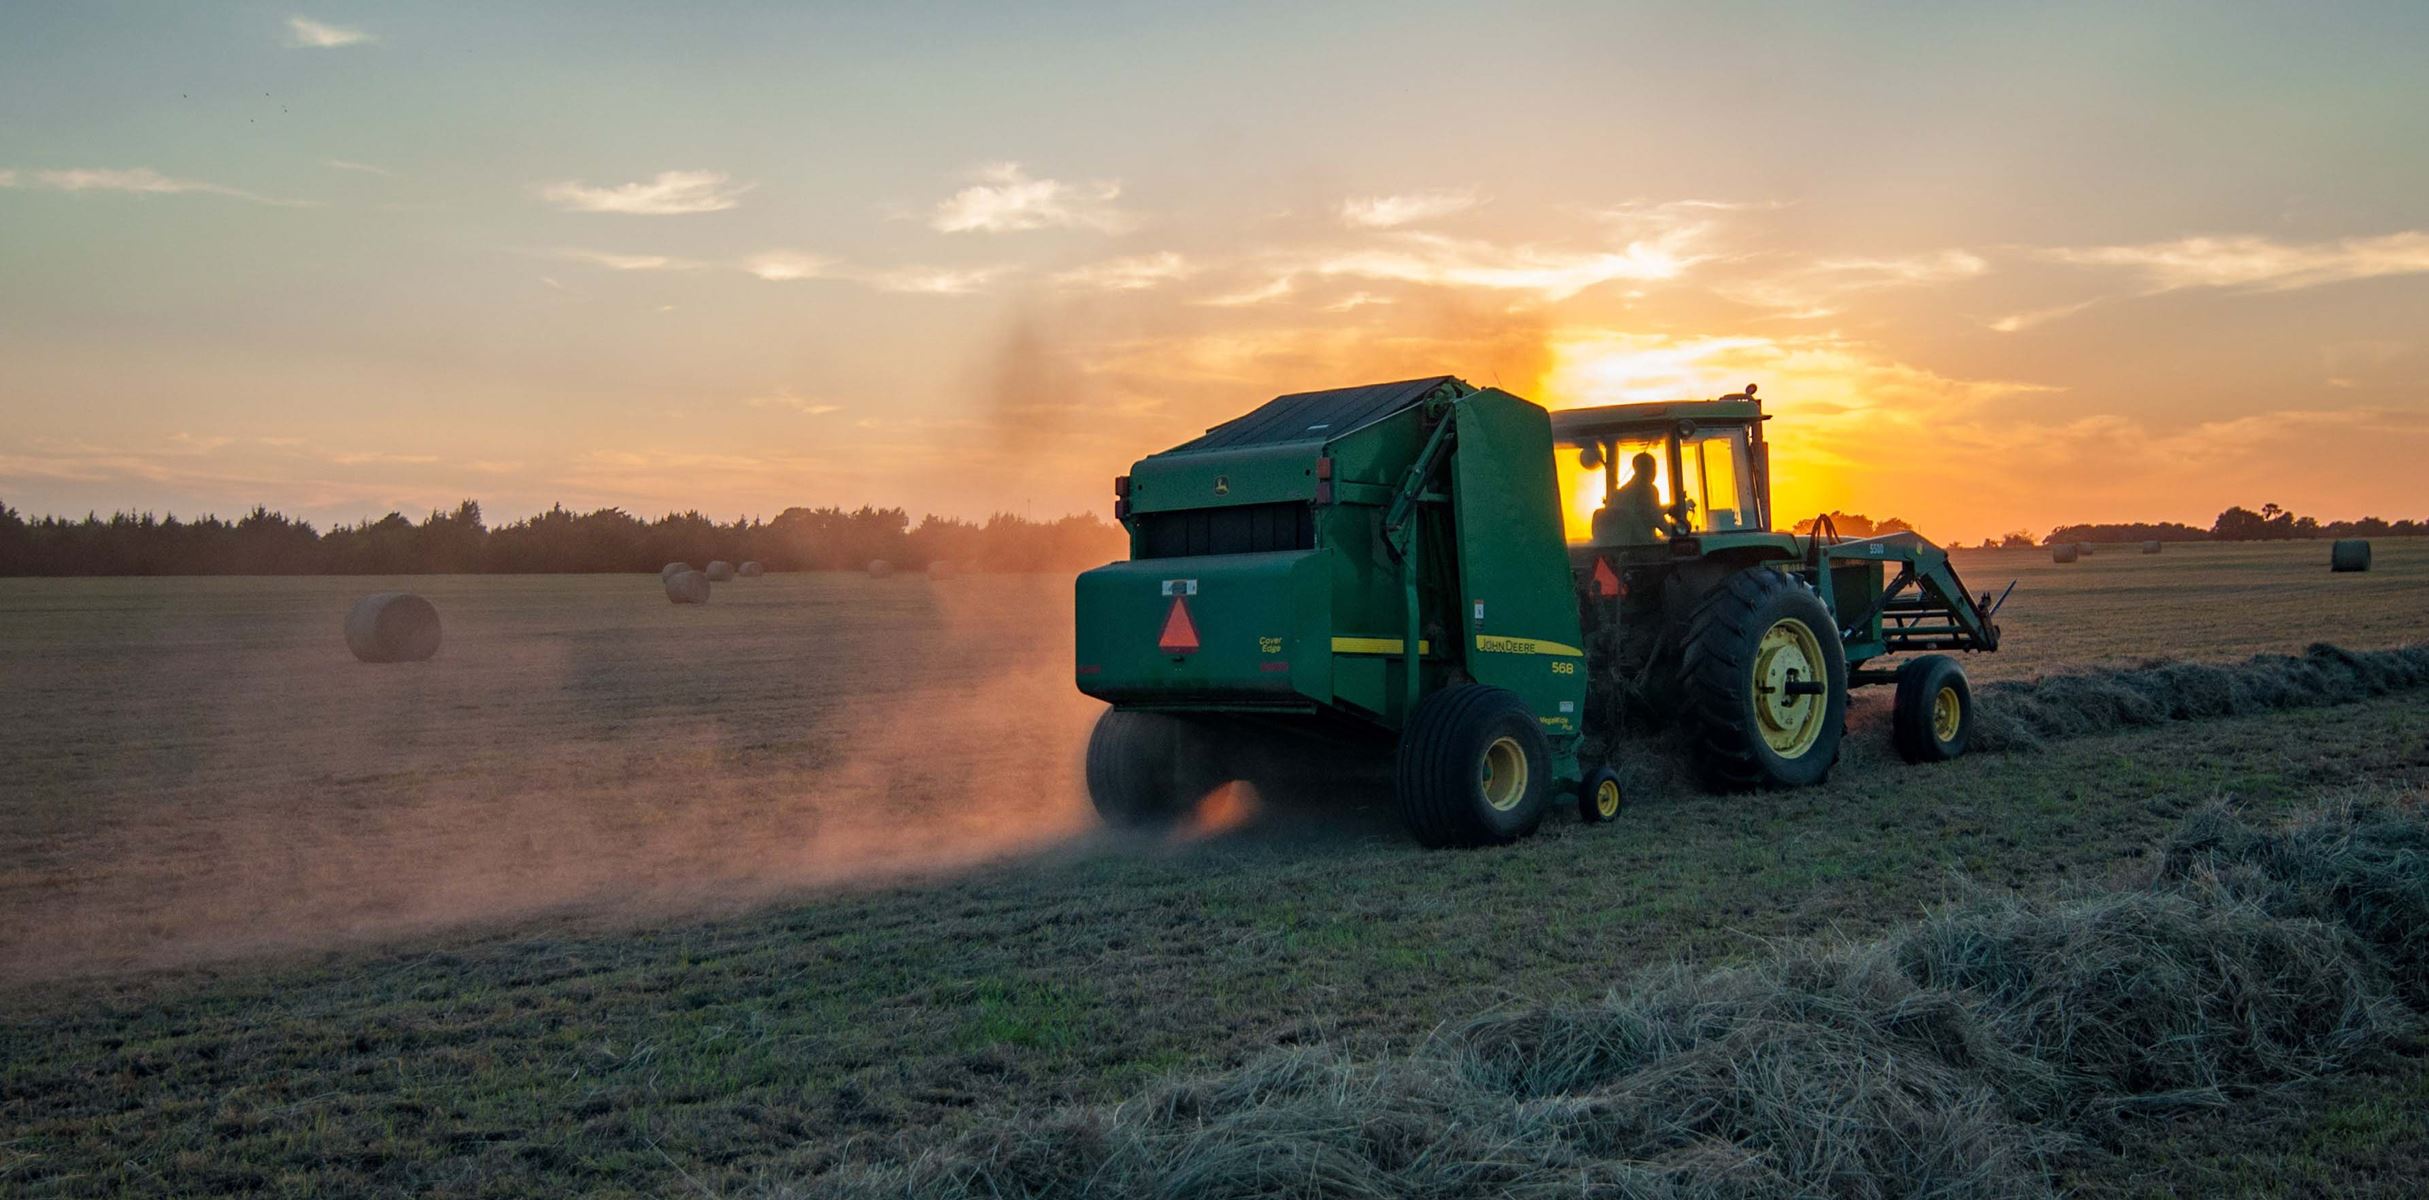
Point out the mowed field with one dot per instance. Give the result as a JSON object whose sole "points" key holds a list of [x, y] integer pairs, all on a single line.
{"points": [[619, 897]]}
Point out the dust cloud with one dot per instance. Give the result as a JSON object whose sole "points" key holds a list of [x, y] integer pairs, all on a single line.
{"points": [[229, 784]]}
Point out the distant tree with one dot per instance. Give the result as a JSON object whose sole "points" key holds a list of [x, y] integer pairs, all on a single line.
{"points": [[1856, 525]]}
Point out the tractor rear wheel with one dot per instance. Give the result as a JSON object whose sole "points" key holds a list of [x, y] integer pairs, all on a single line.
{"points": [[1766, 683], [1933, 716], [1147, 770], [1474, 768]]}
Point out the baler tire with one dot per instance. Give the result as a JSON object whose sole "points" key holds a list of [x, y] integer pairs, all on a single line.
{"points": [[1724, 641], [1441, 782], [1600, 797], [1141, 767], [1925, 726]]}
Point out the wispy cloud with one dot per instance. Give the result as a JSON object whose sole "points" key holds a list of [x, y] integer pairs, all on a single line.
{"points": [[1388, 212], [340, 164], [788, 401], [1008, 200], [930, 281], [1552, 273], [625, 262], [1275, 289], [791, 266], [1135, 273], [1812, 288], [306, 33], [141, 181], [669, 193], [2257, 263]]}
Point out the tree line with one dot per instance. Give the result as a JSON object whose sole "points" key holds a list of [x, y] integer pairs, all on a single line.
{"points": [[557, 541], [2236, 524], [2240, 524]]}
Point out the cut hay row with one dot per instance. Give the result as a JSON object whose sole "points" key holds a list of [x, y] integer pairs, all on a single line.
{"points": [[1954, 1058], [2025, 715]]}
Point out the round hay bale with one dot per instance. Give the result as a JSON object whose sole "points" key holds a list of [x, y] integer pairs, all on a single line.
{"points": [[2063, 552], [388, 627], [687, 587], [2084, 549], [721, 571], [940, 570], [2150, 547], [750, 570], [880, 568], [2349, 554], [670, 570]]}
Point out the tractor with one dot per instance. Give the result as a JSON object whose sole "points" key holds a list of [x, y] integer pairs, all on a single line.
{"points": [[1487, 594]]}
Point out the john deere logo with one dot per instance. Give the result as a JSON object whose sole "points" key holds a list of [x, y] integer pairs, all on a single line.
{"points": [[1222, 485]]}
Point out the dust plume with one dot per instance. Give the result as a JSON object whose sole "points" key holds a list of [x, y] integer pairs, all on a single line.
{"points": [[195, 803]]}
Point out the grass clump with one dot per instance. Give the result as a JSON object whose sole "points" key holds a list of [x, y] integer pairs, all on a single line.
{"points": [[1955, 1058]]}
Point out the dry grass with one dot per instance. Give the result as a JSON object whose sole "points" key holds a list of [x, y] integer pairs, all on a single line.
{"points": [[1951, 1059]]}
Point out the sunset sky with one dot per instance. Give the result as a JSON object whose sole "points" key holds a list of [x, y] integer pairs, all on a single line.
{"points": [[1996, 267]]}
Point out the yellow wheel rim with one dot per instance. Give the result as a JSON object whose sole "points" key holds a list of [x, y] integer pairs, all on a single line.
{"points": [[1504, 774], [1606, 798], [1790, 722], [1947, 712]]}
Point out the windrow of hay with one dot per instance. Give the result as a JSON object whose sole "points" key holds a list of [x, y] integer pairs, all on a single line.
{"points": [[2025, 715], [1952, 1059]]}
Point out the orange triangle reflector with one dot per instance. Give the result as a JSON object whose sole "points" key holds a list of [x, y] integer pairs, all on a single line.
{"points": [[1180, 633], [1606, 580]]}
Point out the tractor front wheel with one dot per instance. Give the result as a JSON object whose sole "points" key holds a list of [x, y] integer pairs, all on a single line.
{"points": [[1766, 683], [1474, 768], [1933, 716], [1147, 770]]}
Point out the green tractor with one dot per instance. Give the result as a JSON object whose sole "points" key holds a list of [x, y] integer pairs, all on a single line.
{"points": [[1487, 592]]}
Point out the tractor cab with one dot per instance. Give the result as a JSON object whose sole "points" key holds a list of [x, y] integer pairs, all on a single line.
{"points": [[1639, 475]]}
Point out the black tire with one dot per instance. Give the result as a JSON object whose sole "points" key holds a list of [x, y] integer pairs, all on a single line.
{"points": [[1727, 715], [1925, 727], [1600, 797], [1147, 770], [1473, 768]]}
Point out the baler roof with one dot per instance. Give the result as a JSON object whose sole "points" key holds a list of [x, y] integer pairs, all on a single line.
{"points": [[1319, 416]]}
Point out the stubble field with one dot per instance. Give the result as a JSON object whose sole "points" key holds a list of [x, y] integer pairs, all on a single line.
{"points": [[621, 897]]}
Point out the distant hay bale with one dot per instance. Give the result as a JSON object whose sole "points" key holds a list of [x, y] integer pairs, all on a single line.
{"points": [[750, 570], [2349, 554], [721, 571], [389, 627], [2084, 549], [687, 587], [670, 570], [2063, 552], [880, 568], [940, 570], [2150, 547]]}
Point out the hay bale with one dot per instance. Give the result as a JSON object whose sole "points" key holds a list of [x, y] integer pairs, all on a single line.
{"points": [[880, 568], [750, 570], [2151, 547], [687, 587], [388, 627], [2349, 554], [721, 571], [940, 570], [670, 570], [2084, 549], [2063, 552]]}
